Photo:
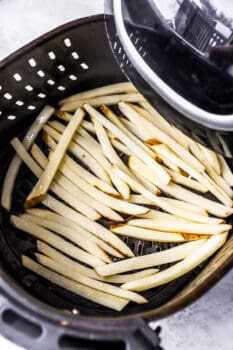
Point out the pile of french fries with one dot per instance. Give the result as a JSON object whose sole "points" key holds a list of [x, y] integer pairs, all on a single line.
{"points": [[155, 193]]}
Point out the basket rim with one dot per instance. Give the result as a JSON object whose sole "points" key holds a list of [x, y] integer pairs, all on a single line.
{"points": [[25, 301]]}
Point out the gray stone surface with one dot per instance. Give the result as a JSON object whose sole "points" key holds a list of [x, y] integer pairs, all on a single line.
{"points": [[206, 324]]}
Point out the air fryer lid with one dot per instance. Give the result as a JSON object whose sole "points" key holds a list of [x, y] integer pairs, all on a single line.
{"points": [[174, 56]]}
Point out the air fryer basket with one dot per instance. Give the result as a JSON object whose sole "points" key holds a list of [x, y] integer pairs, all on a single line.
{"points": [[33, 312]]}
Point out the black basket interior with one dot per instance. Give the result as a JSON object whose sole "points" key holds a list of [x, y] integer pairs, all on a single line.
{"points": [[53, 67]]}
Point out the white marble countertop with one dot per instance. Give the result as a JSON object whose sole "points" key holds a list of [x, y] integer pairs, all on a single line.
{"points": [[206, 324]]}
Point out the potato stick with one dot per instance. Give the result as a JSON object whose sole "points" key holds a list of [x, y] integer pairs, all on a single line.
{"points": [[87, 271], [170, 165], [180, 137], [77, 203], [178, 226], [157, 214], [224, 147], [109, 151], [79, 153], [154, 259], [98, 297], [181, 193], [120, 147], [158, 201], [87, 281], [93, 180], [70, 234], [95, 150], [186, 206], [160, 136], [14, 166], [161, 173], [217, 192], [138, 130], [226, 171], [218, 180], [147, 184], [68, 182], [98, 101], [91, 226], [67, 117], [153, 116], [187, 181], [118, 88], [114, 203], [55, 241], [212, 159], [181, 268], [47, 214], [116, 121], [45, 180], [154, 235]]}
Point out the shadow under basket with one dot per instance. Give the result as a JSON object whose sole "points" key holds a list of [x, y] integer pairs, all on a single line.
{"points": [[33, 312]]}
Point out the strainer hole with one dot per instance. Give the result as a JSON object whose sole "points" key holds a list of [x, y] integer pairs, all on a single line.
{"points": [[52, 55], [84, 66], [75, 55], [61, 67], [73, 77], [51, 82], [7, 96], [19, 103], [61, 88], [31, 107], [41, 95], [67, 42], [32, 62], [41, 73], [28, 87], [11, 117], [17, 77]]}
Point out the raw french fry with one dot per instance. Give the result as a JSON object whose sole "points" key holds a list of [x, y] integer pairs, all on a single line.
{"points": [[45, 180], [186, 181], [14, 166], [55, 241], [87, 224], [178, 226], [120, 147], [179, 192], [205, 180], [68, 182], [224, 146], [157, 214], [114, 203], [154, 235], [47, 214], [147, 184], [161, 173], [117, 88], [87, 271], [98, 101], [87, 281], [186, 206], [218, 180], [226, 171], [160, 135], [98, 297], [212, 158], [77, 168], [158, 201], [154, 259], [181, 268], [116, 121], [70, 234], [138, 130], [79, 153], [62, 193], [148, 112]]}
